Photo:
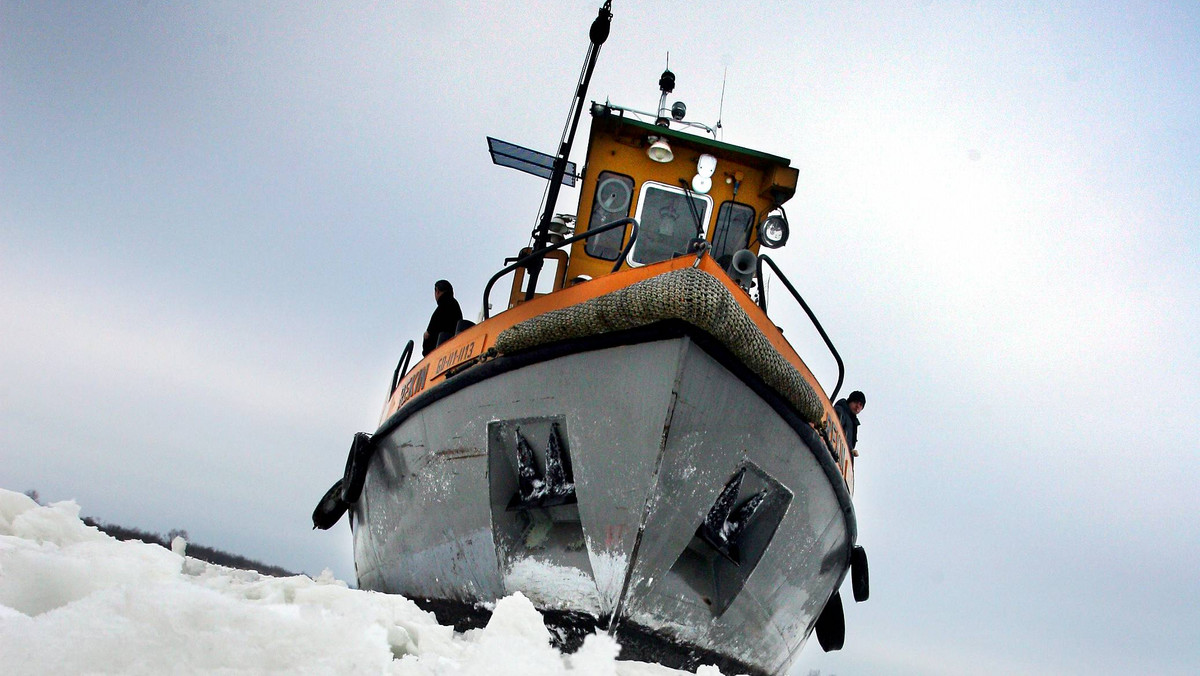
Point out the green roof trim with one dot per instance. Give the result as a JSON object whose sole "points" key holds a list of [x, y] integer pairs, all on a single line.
{"points": [[616, 117]]}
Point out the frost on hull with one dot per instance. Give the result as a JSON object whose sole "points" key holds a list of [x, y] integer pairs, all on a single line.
{"points": [[702, 514]]}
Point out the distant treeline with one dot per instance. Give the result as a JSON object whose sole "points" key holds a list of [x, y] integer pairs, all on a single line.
{"points": [[195, 551]]}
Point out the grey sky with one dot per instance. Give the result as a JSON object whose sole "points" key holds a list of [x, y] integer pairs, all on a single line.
{"points": [[219, 224]]}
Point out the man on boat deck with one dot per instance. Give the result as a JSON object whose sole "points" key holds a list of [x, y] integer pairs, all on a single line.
{"points": [[445, 318], [847, 410]]}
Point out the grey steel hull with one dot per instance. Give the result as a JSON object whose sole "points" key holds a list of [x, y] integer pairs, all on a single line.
{"points": [[654, 433]]}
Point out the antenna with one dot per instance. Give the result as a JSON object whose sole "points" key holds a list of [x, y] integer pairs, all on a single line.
{"points": [[721, 110], [666, 85]]}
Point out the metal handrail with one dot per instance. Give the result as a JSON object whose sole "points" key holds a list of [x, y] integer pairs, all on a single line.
{"points": [[401, 367], [762, 302], [541, 253]]}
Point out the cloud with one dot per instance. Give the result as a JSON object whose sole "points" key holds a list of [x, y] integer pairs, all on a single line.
{"points": [[93, 333]]}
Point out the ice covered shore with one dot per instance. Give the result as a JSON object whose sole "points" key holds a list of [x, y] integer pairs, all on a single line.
{"points": [[74, 600]]}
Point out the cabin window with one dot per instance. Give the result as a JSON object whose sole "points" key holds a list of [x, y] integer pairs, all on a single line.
{"points": [[732, 231], [668, 218], [614, 194]]}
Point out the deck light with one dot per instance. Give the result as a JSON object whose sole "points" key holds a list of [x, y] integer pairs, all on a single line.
{"points": [[659, 150], [773, 233]]}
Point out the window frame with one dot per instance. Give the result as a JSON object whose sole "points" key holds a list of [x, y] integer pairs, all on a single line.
{"points": [[749, 228], [643, 226], [623, 232]]}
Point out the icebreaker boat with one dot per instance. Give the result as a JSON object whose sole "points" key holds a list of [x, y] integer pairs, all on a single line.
{"points": [[633, 444]]}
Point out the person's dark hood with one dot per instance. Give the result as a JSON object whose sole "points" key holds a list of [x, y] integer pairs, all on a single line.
{"points": [[843, 403]]}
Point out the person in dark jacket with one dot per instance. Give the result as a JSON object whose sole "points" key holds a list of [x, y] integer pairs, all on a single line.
{"points": [[847, 410], [445, 318]]}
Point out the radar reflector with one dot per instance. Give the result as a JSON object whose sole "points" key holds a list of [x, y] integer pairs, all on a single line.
{"points": [[529, 161]]}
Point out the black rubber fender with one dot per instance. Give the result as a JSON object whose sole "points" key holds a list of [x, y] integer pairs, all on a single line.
{"points": [[860, 577], [357, 461], [331, 507], [831, 625]]}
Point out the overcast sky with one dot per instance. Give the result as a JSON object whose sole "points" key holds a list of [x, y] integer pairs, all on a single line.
{"points": [[220, 223]]}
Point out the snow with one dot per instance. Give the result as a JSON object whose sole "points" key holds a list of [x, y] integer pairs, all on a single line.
{"points": [[552, 586], [74, 600], [609, 570]]}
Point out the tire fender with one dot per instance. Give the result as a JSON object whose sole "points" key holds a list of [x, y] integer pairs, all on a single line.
{"points": [[831, 625], [331, 507], [357, 461]]}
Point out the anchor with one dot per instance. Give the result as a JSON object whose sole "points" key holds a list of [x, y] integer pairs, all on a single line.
{"points": [[535, 489]]}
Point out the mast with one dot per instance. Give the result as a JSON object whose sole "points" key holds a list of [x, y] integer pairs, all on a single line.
{"points": [[598, 34]]}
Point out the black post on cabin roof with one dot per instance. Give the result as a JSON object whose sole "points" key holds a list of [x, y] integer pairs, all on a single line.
{"points": [[598, 34]]}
